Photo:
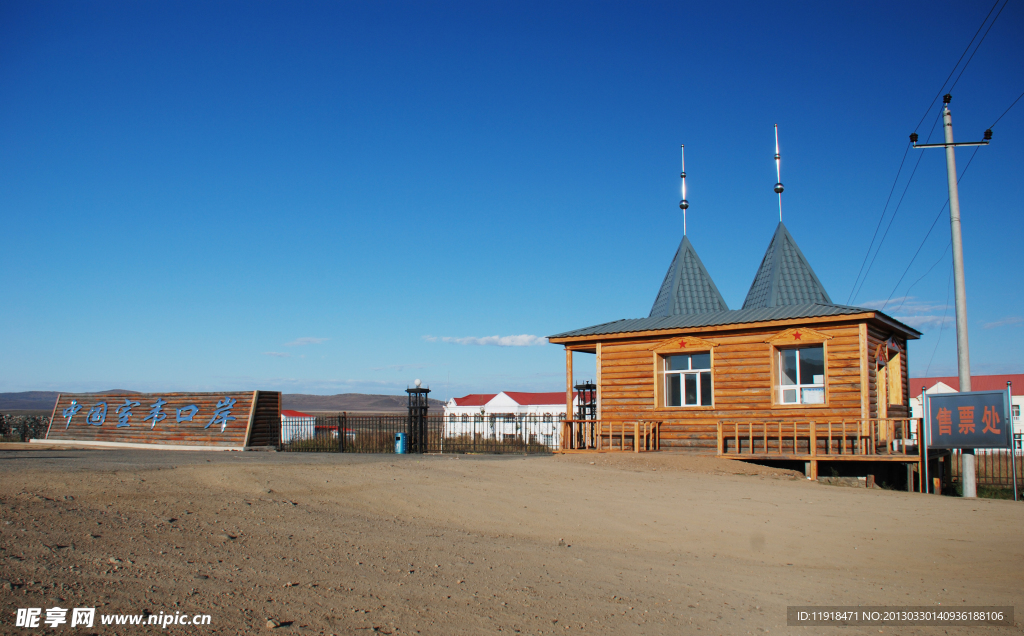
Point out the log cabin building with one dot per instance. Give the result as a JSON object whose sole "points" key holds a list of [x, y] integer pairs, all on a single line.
{"points": [[789, 373]]}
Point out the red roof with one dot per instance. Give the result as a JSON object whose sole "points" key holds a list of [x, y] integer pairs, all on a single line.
{"points": [[537, 399], [475, 399], [519, 397], [978, 383], [285, 413]]}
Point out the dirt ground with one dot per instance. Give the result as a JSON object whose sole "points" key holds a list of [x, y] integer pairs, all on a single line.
{"points": [[361, 544]]}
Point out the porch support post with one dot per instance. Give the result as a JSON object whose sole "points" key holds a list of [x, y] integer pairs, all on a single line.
{"points": [[597, 391], [813, 442], [568, 384], [567, 427]]}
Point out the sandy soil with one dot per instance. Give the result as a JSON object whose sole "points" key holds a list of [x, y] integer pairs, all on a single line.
{"points": [[609, 544]]}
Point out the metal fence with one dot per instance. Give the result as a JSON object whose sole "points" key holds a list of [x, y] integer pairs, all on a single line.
{"points": [[993, 467], [347, 433]]}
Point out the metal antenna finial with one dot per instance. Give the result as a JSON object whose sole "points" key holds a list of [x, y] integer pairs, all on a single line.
{"points": [[683, 204], [778, 172]]}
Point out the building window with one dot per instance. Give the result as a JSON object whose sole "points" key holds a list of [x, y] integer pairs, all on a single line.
{"points": [[688, 380], [801, 374]]}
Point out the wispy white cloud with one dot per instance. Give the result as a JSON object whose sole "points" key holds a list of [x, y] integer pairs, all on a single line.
{"points": [[907, 304], [924, 323], [277, 354], [918, 314], [1004, 322], [523, 340], [299, 342]]}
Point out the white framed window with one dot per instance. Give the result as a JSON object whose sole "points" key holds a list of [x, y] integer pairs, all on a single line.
{"points": [[687, 379], [801, 375]]}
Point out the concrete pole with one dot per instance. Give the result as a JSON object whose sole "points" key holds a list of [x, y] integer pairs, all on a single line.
{"points": [[963, 356], [922, 438], [1013, 445]]}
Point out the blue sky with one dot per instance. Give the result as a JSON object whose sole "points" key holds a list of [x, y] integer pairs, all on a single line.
{"points": [[343, 197]]}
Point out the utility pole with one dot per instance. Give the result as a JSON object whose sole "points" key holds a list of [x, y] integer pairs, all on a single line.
{"points": [[963, 356]]}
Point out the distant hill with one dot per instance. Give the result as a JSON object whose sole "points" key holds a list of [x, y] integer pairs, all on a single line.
{"points": [[350, 402], [28, 401], [353, 403]]}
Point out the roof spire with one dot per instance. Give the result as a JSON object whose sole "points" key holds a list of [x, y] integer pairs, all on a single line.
{"points": [[778, 172], [785, 277], [682, 176], [687, 287]]}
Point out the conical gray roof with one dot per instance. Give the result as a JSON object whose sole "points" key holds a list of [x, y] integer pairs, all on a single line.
{"points": [[785, 277], [687, 288]]}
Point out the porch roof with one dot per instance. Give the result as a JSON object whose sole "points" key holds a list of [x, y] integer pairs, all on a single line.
{"points": [[730, 317]]}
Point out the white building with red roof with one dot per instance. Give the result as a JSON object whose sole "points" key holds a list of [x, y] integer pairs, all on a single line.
{"points": [[296, 425], [532, 417], [510, 403]]}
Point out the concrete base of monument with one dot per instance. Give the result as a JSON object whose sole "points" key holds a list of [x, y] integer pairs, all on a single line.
{"points": [[184, 447]]}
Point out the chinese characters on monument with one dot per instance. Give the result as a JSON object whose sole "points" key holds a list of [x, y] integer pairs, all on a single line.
{"points": [[227, 420]]}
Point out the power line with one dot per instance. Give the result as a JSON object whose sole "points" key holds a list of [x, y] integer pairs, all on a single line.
{"points": [[892, 218], [968, 48], [991, 24], [907, 295], [856, 290], [879, 224], [937, 216], [856, 280], [942, 325], [1006, 111]]}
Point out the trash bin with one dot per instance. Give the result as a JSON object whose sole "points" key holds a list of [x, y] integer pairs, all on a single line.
{"points": [[400, 443]]}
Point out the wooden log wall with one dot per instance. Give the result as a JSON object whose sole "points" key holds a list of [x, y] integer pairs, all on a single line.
{"points": [[742, 383], [876, 337], [81, 417]]}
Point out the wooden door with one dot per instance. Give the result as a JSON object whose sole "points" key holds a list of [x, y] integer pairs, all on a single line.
{"points": [[882, 403]]}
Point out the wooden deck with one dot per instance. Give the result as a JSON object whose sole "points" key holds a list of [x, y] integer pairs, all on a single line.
{"points": [[872, 440]]}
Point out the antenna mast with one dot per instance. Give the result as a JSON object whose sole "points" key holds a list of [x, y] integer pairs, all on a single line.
{"points": [[778, 172], [682, 176]]}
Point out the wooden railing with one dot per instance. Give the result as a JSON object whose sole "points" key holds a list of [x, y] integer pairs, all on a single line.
{"points": [[881, 438], [611, 435]]}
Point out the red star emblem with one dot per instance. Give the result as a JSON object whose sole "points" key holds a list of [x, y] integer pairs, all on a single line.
{"points": [[682, 343], [796, 335]]}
